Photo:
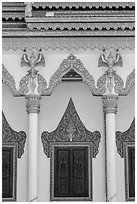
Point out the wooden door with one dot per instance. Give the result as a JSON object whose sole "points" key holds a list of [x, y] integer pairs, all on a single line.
{"points": [[71, 176]]}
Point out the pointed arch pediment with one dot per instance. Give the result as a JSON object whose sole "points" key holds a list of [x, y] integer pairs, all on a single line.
{"points": [[72, 63], [70, 129], [127, 136], [12, 137]]}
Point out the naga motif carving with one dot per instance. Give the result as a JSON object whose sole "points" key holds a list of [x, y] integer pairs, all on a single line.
{"points": [[119, 84], [12, 137], [9, 81], [125, 137], [70, 129]]}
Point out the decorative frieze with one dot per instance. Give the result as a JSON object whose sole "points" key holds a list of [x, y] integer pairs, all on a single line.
{"points": [[10, 136], [33, 103], [70, 129], [110, 103], [62, 43]]}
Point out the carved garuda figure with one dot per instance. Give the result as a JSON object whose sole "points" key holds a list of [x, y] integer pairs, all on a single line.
{"points": [[110, 62], [32, 62]]}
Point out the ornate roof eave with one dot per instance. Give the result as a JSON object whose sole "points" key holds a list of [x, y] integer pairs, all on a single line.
{"points": [[12, 137], [83, 4]]}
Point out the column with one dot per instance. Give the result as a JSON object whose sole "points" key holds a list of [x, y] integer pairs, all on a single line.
{"points": [[33, 109], [110, 109]]}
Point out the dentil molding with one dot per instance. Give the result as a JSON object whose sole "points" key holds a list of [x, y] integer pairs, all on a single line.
{"points": [[70, 129]]}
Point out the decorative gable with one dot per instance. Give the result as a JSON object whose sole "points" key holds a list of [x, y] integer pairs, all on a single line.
{"points": [[70, 129]]}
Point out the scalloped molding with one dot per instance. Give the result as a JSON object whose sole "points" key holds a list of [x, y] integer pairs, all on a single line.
{"points": [[125, 137], [83, 4], [10, 136], [70, 129], [80, 25], [73, 63]]}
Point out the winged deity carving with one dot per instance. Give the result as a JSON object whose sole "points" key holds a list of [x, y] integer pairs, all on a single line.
{"points": [[110, 62]]}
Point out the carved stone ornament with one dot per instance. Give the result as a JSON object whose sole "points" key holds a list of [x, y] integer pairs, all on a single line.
{"points": [[70, 129], [73, 63], [12, 137], [33, 103], [110, 103], [125, 137]]}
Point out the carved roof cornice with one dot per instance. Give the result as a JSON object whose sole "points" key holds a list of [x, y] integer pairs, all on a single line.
{"points": [[82, 26], [70, 129], [125, 137], [71, 19], [64, 42], [12, 137]]}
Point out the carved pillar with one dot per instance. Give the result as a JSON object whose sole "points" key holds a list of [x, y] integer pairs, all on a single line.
{"points": [[110, 109], [33, 109]]}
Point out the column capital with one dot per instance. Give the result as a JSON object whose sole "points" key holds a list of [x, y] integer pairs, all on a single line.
{"points": [[33, 103], [110, 103]]}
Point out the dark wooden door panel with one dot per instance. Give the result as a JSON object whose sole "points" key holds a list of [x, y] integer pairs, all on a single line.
{"points": [[131, 171], [80, 172], [71, 172], [7, 172], [62, 172]]}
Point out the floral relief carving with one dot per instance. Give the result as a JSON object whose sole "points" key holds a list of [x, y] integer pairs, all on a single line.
{"points": [[73, 63], [12, 137], [70, 129], [125, 137]]}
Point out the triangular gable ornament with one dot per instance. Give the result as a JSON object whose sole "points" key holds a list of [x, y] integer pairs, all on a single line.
{"points": [[70, 129]]}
